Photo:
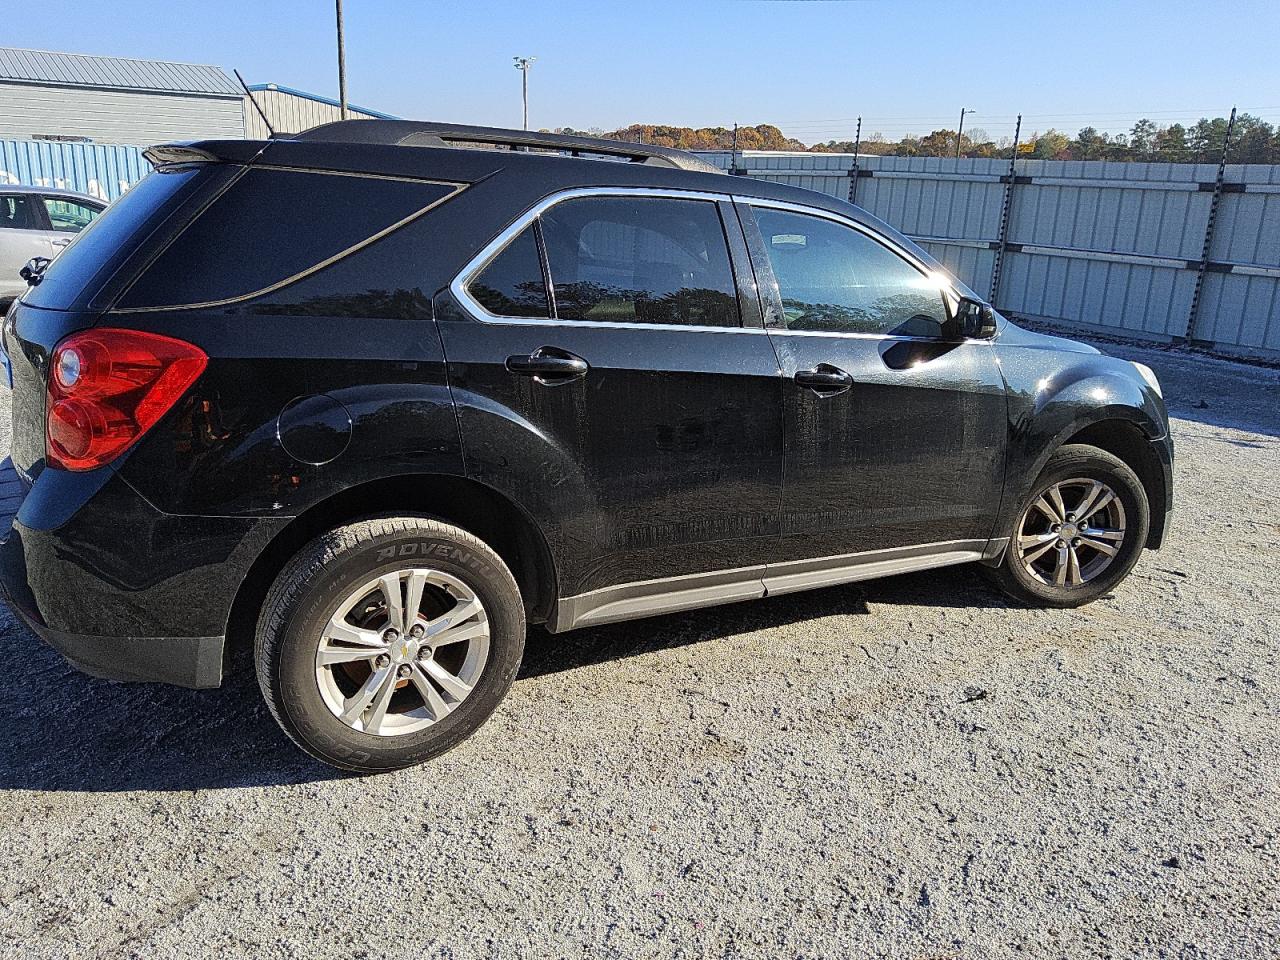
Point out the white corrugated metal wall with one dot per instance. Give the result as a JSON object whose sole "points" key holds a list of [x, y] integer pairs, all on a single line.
{"points": [[1112, 247], [290, 113], [116, 116]]}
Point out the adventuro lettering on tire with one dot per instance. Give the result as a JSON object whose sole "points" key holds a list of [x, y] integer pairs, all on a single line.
{"points": [[386, 642]]}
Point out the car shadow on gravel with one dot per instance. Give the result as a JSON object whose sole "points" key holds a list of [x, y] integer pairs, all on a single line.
{"points": [[946, 587], [63, 730]]}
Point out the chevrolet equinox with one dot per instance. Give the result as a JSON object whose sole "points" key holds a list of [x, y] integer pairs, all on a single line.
{"points": [[382, 394]]}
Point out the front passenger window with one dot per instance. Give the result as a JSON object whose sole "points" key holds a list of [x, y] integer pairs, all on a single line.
{"points": [[836, 279]]}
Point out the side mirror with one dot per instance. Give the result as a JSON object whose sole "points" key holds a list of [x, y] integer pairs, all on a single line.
{"points": [[973, 320], [33, 272]]}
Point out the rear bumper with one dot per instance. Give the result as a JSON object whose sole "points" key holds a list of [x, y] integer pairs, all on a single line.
{"points": [[120, 589], [183, 661]]}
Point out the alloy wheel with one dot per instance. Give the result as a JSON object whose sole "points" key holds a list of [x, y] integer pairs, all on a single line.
{"points": [[1071, 533], [402, 651]]}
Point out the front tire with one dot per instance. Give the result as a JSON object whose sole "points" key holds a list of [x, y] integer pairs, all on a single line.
{"points": [[1078, 534], [386, 642]]}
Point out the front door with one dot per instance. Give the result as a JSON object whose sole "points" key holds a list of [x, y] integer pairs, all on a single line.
{"points": [[894, 437], [606, 382]]}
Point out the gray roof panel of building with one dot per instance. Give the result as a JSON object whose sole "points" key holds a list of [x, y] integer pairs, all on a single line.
{"points": [[81, 70]]}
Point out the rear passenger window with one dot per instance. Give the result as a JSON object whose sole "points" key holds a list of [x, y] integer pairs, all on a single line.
{"points": [[272, 225], [640, 260], [512, 285]]}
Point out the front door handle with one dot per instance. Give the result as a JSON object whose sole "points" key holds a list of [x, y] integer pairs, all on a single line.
{"points": [[61, 241], [549, 365], [825, 380]]}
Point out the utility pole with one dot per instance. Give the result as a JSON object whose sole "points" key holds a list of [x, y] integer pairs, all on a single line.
{"points": [[342, 65], [523, 64], [960, 132]]}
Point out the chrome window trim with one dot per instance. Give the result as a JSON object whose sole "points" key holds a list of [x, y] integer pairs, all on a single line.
{"points": [[950, 294], [861, 228], [490, 251], [458, 286]]}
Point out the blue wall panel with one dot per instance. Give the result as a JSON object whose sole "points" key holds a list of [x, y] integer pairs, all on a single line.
{"points": [[98, 169]]}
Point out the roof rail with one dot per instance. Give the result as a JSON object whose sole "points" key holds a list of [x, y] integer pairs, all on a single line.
{"points": [[414, 133]]}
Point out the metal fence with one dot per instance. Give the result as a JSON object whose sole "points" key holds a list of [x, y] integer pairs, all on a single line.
{"points": [[100, 170], [1117, 248], [1152, 250]]}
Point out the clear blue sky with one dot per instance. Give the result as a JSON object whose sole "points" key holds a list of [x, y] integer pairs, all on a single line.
{"points": [[810, 67]]}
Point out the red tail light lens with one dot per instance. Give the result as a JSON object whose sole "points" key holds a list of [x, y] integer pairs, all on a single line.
{"points": [[108, 387]]}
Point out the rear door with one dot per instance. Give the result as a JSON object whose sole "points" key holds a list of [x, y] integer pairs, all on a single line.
{"points": [[23, 235], [894, 436], [612, 376]]}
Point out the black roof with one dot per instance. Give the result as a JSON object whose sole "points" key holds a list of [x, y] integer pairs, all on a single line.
{"points": [[388, 148], [413, 133]]}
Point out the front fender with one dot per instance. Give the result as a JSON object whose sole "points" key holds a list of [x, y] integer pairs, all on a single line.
{"points": [[1052, 401]]}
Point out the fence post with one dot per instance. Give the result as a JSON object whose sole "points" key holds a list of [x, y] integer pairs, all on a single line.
{"points": [[1002, 238], [853, 174], [1194, 314]]}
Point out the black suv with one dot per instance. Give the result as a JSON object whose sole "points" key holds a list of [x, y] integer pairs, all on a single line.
{"points": [[382, 394]]}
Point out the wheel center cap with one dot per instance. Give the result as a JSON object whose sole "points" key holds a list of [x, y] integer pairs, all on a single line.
{"points": [[1068, 531]]}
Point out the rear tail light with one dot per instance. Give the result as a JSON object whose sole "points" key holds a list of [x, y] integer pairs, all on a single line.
{"points": [[108, 387]]}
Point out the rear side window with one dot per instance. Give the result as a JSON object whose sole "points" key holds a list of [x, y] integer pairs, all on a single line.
{"points": [[118, 233], [512, 285], [270, 226], [640, 260]]}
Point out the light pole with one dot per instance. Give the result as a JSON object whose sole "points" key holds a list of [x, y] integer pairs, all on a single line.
{"points": [[523, 64], [342, 65], [960, 132]]}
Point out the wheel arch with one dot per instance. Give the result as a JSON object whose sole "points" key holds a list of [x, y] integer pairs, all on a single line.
{"points": [[1125, 440], [466, 503]]}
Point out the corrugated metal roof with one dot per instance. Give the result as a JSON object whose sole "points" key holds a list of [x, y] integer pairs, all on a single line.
{"points": [[74, 69]]}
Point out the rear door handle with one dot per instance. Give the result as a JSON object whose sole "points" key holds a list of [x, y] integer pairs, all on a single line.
{"points": [[825, 380], [549, 365], [61, 241]]}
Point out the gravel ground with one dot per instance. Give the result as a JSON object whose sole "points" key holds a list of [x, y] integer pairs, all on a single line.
{"points": [[905, 768]]}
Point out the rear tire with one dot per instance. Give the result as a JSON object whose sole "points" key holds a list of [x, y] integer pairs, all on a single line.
{"points": [[386, 642], [1078, 534]]}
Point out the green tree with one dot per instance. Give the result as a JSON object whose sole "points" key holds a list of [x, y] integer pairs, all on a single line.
{"points": [[1253, 141], [1204, 139], [1171, 144], [1142, 138], [1089, 144], [1051, 145]]}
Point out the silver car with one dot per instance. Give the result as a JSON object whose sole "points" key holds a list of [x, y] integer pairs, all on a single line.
{"points": [[37, 222]]}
